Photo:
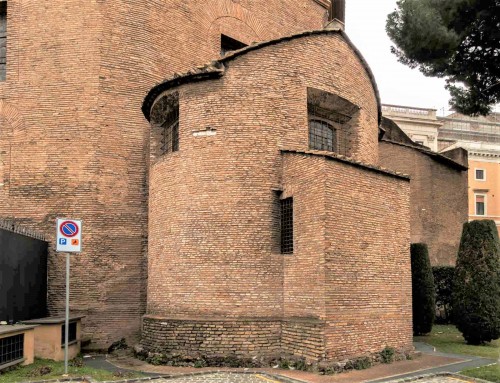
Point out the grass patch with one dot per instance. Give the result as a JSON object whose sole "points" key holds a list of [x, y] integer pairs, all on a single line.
{"points": [[491, 373], [446, 338], [43, 369]]}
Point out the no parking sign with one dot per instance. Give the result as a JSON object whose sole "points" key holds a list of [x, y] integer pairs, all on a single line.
{"points": [[69, 235], [68, 240]]}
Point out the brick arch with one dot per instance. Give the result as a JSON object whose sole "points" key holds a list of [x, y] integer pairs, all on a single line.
{"points": [[11, 125], [13, 118], [215, 10], [234, 28]]}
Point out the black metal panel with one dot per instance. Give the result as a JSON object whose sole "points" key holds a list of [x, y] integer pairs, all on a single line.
{"points": [[23, 277]]}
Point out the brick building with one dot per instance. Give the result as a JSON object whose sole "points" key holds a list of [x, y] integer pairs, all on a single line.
{"points": [[438, 186], [270, 225]]}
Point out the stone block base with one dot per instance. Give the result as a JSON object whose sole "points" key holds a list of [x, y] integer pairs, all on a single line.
{"points": [[211, 337], [253, 336]]}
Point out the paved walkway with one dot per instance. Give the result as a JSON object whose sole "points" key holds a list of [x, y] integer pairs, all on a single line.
{"points": [[431, 362], [221, 377]]}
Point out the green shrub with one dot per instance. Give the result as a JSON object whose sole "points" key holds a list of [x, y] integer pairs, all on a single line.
{"points": [[361, 363], [387, 355], [476, 287], [423, 290], [443, 281]]}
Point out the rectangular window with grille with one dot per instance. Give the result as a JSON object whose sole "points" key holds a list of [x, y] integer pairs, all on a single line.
{"points": [[332, 122], [480, 204], [287, 226], [322, 135], [3, 39], [11, 349], [170, 132]]}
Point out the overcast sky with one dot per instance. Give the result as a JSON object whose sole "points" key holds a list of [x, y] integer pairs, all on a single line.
{"points": [[398, 84]]}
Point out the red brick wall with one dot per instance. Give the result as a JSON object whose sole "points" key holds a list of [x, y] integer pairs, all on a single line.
{"points": [[226, 181], [212, 212], [351, 264], [367, 261], [76, 76], [438, 200]]}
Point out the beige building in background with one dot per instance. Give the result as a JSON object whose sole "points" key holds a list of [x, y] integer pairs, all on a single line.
{"points": [[420, 124], [480, 136]]}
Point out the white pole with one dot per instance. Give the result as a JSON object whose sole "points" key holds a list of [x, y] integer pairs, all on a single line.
{"points": [[66, 328]]}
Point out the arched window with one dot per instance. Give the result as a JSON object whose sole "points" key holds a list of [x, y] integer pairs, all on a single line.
{"points": [[165, 125], [170, 132], [322, 135]]}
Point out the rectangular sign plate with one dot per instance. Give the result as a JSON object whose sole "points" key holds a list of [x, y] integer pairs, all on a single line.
{"points": [[69, 235]]}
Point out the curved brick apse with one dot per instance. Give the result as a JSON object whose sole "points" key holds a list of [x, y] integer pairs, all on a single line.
{"points": [[78, 87], [229, 143], [192, 238]]}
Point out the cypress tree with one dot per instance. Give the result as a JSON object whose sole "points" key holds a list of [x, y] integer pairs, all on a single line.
{"points": [[422, 281], [476, 285]]}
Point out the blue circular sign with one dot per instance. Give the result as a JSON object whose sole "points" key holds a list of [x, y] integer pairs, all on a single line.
{"points": [[69, 229]]}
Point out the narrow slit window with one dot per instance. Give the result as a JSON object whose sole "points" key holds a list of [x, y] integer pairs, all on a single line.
{"points": [[3, 40], [170, 132], [287, 226]]}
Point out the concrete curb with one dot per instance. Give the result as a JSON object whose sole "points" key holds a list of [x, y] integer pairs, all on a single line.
{"points": [[444, 374]]}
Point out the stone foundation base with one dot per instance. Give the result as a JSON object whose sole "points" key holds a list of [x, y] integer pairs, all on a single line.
{"points": [[266, 338], [252, 336], [211, 337]]}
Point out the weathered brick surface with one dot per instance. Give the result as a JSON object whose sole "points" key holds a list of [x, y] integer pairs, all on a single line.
{"points": [[368, 279], [352, 252], [228, 179], [213, 210], [210, 336], [304, 337], [438, 199], [73, 141]]}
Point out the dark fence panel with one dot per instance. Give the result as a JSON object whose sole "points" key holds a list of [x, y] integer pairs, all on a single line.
{"points": [[23, 277]]}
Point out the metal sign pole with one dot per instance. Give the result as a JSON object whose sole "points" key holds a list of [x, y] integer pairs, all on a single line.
{"points": [[68, 240], [66, 327]]}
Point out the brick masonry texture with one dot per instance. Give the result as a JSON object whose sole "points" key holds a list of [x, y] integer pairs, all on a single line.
{"points": [[211, 336], [213, 221], [438, 199], [73, 141]]}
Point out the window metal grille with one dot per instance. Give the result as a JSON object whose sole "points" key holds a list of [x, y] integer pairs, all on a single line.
{"points": [[322, 136], [3, 39], [287, 226], [71, 333], [11, 348], [170, 133]]}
